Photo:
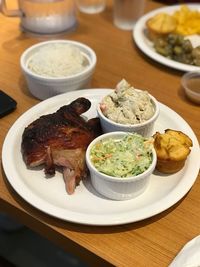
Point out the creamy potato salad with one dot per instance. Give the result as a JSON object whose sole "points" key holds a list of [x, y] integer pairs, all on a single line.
{"points": [[126, 105]]}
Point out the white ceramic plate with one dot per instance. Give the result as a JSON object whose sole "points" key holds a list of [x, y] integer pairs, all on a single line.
{"points": [[86, 206], [146, 46]]}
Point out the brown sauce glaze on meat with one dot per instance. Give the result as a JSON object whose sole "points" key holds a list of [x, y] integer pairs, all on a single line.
{"points": [[61, 139]]}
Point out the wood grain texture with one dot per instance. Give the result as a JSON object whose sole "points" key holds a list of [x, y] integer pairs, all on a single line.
{"points": [[153, 242]]}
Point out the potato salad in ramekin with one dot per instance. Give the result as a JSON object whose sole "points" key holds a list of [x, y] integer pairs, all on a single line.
{"points": [[128, 109]]}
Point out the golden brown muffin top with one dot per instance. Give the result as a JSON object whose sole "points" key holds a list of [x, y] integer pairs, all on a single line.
{"points": [[172, 145]]}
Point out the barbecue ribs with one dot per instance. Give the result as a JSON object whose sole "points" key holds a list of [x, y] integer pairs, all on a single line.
{"points": [[61, 139]]}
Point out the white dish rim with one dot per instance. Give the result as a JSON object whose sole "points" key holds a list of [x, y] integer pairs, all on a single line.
{"points": [[84, 218], [142, 41]]}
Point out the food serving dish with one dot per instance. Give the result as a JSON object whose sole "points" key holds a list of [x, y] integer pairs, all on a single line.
{"points": [[118, 188], [146, 46], [191, 84], [144, 128], [44, 87], [50, 197]]}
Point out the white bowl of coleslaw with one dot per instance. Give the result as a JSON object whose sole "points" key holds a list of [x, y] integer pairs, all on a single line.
{"points": [[58, 66], [128, 109], [121, 164]]}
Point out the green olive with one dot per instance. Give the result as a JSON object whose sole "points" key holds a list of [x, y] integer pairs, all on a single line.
{"points": [[178, 50], [196, 52], [187, 46], [179, 40], [172, 38]]}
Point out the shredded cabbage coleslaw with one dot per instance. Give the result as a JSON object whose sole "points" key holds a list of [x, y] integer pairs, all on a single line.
{"points": [[126, 157]]}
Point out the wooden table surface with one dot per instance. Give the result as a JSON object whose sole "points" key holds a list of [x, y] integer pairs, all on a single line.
{"points": [[153, 242]]}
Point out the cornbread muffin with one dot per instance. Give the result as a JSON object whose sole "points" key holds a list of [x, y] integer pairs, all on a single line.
{"points": [[172, 148], [160, 25]]}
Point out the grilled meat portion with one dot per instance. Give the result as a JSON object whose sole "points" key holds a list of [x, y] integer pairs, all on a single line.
{"points": [[61, 139]]}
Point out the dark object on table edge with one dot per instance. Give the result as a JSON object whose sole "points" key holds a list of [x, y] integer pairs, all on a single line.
{"points": [[7, 104]]}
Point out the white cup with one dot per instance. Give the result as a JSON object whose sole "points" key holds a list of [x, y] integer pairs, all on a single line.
{"points": [[127, 12], [91, 6]]}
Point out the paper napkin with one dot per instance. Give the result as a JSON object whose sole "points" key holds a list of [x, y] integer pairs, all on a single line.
{"points": [[189, 256]]}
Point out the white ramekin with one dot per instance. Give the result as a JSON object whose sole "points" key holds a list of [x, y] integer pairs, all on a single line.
{"points": [[45, 87], [144, 128], [117, 188]]}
